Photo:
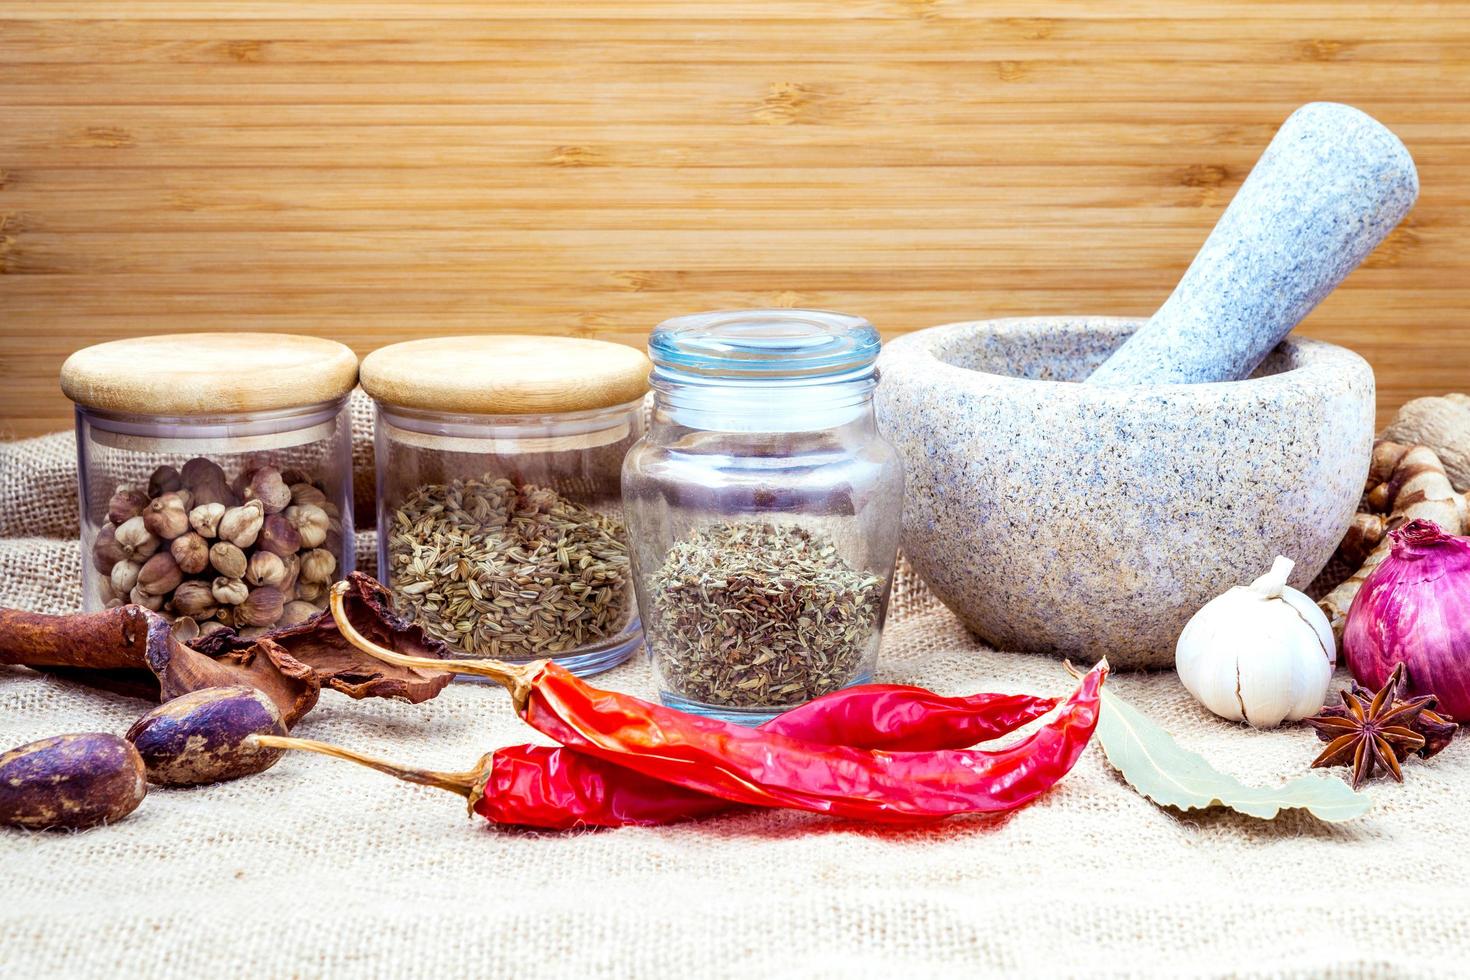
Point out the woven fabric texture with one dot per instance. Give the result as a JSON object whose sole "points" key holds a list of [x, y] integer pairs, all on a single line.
{"points": [[320, 868]]}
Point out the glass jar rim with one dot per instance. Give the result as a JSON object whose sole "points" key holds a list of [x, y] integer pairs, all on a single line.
{"points": [[220, 432], [273, 419], [764, 344], [431, 420]]}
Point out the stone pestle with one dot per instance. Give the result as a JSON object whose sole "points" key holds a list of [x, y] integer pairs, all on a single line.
{"points": [[1330, 186]]}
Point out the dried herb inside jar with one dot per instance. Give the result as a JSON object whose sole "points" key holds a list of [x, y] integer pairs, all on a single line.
{"points": [[760, 615], [510, 572]]}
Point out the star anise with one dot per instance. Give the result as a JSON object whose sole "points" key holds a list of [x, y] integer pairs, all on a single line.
{"points": [[1372, 734], [1438, 729]]}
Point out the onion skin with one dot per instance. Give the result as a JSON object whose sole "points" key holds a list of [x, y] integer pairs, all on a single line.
{"points": [[1414, 609], [70, 782]]}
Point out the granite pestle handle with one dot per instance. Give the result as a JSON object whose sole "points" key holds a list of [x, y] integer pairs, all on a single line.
{"points": [[1330, 186]]}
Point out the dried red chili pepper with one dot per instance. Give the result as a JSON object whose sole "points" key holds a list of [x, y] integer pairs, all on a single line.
{"points": [[744, 765], [556, 788], [901, 718], [761, 768]]}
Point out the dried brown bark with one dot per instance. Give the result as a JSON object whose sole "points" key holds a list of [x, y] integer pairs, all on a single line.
{"points": [[338, 664], [132, 651]]}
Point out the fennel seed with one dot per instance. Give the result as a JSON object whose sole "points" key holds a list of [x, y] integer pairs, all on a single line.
{"points": [[510, 572]]}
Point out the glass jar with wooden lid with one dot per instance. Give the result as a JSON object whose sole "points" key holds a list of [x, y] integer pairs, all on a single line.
{"points": [[500, 524], [215, 475]]}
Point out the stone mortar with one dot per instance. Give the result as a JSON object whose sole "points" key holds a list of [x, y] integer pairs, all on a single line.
{"points": [[1094, 521]]}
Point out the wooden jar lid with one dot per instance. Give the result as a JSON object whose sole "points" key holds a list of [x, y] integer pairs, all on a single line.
{"points": [[506, 374], [209, 373]]}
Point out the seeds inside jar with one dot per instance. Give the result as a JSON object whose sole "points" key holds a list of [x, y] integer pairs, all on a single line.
{"points": [[191, 545], [510, 572], [750, 615]]}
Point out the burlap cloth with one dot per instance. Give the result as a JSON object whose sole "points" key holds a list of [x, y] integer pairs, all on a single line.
{"points": [[320, 868]]}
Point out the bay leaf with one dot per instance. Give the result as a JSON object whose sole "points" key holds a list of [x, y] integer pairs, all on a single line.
{"points": [[1171, 775]]}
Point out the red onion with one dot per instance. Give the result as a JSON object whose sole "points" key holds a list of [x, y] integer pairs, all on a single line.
{"points": [[1414, 609]]}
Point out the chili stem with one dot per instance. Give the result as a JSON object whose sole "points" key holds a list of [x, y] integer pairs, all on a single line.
{"points": [[466, 784], [515, 678], [1078, 674]]}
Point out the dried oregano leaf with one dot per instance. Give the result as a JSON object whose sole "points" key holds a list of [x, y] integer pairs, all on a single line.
{"points": [[1170, 775], [752, 614]]}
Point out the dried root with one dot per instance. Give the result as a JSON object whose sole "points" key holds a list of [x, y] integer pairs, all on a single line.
{"points": [[1442, 424], [1364, 534], [1410, 483]]}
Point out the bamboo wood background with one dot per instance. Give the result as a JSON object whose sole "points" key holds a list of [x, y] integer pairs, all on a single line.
{"points": [[373, 170]]}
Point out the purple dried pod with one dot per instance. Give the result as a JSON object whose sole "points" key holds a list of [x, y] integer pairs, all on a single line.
{"points": [[134, 539], [106, 552], [229, 592], [145, 599], [202, 737], [265, 568], [267, 486], [164, 480], [306, 493], [124, 577], [205, 518], [279, 536], [296, 611], [241, 525], [311, 522], [167, 516], [312, 592], [228, 560], [126, 502], [185, 628], [194, 599], [200, 471], [261, 608], [317, 565], [215, 493], [191, 552], [292, 564], [160, 575], [70, 782]]}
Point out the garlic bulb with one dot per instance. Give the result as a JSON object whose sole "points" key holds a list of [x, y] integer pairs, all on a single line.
{"points": [[1261, 653]]}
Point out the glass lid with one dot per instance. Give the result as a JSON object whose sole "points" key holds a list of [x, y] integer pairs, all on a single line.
{"points": [[764, 344]]}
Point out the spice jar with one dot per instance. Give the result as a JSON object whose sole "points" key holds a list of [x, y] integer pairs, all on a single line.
{"points": [[500, 527], [215, 476], [763, 509]]}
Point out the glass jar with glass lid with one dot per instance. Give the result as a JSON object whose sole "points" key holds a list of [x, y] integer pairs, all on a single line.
{"points": [[763, 509], [215, 475], [500, 527]]}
